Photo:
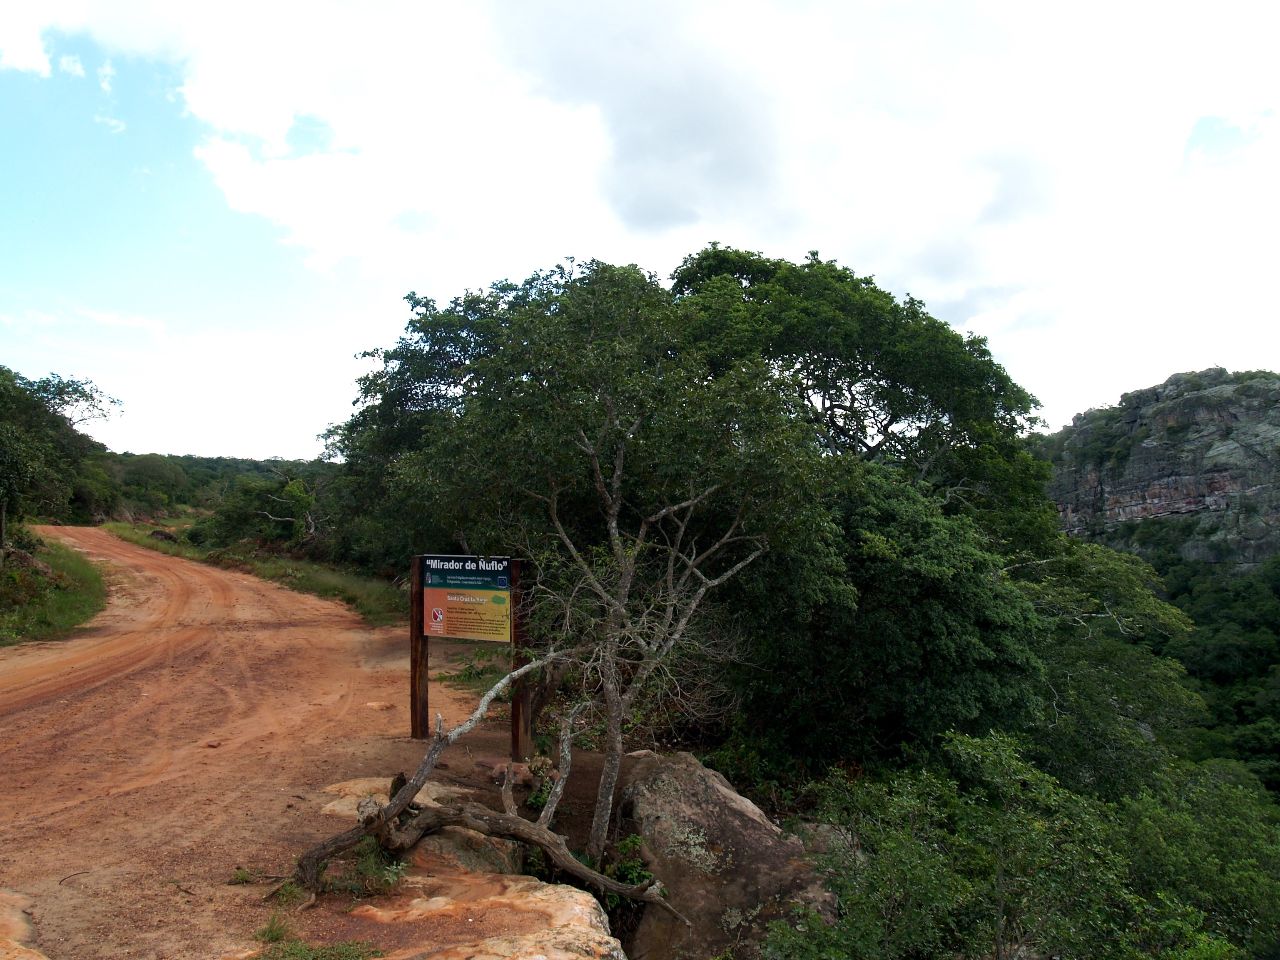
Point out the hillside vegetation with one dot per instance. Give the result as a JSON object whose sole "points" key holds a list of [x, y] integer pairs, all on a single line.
{"points": [[1185, 475]]}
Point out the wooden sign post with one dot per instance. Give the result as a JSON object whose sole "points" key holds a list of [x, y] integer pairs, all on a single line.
{"points": [[467, 598], [419, 689]]}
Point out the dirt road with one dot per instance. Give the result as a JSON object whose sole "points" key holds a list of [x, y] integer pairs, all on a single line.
{"points": [[188, 730]]}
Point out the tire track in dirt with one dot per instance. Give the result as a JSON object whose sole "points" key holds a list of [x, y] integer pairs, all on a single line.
{"points": [[189, 729]]}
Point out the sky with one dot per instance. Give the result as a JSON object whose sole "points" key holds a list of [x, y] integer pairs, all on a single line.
{"points": [[211, 210]]}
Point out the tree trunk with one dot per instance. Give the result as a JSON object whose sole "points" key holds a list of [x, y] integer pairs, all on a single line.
{"points": [[608, 782], [4, 530]]}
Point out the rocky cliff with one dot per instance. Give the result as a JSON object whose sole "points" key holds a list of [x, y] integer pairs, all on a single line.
{"points": [[1200, 453]]}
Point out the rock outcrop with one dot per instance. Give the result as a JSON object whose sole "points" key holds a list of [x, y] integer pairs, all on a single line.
{"points": [[14, 928], [461, 897], [725, 865], [445, 913], [1204, 447]]}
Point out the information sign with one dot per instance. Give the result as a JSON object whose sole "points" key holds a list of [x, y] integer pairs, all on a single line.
{"points": [[466, 598]]}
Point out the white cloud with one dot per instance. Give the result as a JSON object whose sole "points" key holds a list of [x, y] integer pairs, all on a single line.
{"points": [[272, 395], [106, 73], [69, 63], [20, 45], [114, 124], [1025, 171]]}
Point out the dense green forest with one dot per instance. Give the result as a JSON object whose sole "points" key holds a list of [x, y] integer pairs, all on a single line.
{"points": [[1198, 455], [798, 523], [1232, 658]]}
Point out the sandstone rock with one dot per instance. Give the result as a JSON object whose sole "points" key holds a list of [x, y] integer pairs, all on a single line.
{"points": [[12, 950], [462, 897], [549, 945], [483, 916], [457, 848], [16, 557], [14, 928], [1203, 446], [725, 865], [351, 792], [13, 915]]}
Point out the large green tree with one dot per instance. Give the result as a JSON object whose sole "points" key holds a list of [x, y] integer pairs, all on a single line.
{"points": [[879, 378], [982, 854], [1113, 711], [889, 608], [567, 420]]}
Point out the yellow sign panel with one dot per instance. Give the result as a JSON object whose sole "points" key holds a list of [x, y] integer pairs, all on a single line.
{"points": [[467, 614], [467, 598]]}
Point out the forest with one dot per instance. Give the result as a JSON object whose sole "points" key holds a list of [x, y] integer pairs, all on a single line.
{"points": [[800, 528]]}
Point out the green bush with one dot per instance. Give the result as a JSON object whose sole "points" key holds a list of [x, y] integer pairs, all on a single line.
{"points": [[983, 855]]}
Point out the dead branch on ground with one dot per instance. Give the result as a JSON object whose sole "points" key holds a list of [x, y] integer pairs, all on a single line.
{"points": [[394, 833]]}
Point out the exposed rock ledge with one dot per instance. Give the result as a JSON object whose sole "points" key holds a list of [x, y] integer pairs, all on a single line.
{"points": [[462, 898], [1203, 446]]}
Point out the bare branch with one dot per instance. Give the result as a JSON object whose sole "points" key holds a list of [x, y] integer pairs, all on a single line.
{"points": [[683, 504], [566, 761], [508, 801]]}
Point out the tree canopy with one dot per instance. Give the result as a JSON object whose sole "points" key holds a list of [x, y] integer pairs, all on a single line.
{"points": [[879, 377], [44, 459]]}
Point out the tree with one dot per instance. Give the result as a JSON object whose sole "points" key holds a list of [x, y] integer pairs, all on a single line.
{"points": [[772, 377], [152, 480], [879, 378], [586, 437], [565, 420], [1114, 711], [282, 508], [40, 448], [1208, 836], [23, 463], [981, 854]]}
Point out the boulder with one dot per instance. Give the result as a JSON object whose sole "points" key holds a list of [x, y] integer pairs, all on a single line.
{"points": [[12, 950], [457, 848], [14, 928], [462, 897], [725, 865], [351, 792], [483, 916], [13, 556]]}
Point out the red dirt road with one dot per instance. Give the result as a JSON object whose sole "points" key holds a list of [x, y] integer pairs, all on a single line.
{"points": [[187, 730]]}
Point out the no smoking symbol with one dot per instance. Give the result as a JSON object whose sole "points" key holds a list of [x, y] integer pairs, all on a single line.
{"points": [[437, 615]]}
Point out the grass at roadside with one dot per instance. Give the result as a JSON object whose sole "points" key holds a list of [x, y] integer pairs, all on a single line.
{"points": [[377, 601], [47, 599], [297, 950]]}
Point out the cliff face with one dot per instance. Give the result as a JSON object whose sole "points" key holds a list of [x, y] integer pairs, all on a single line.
{"points": [[1203, 447]]}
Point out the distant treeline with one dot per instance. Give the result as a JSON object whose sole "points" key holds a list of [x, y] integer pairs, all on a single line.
{"points": [[51, 469]]}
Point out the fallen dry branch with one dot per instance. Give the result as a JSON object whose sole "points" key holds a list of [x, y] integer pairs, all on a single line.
{"points": [[491, 823], [309, 872], [384, 822]]}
